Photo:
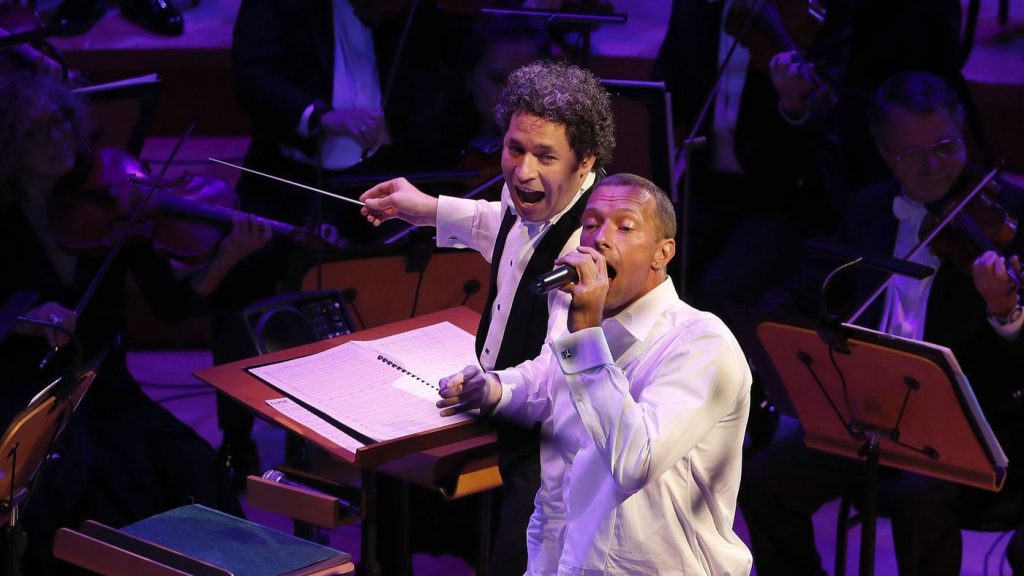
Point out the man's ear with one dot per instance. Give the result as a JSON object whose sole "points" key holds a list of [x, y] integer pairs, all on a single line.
{"points": [[587, 164], [664, 253]]}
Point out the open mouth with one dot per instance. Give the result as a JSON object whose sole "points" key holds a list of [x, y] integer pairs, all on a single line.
{"points": [[611, 273], [529, 196]]}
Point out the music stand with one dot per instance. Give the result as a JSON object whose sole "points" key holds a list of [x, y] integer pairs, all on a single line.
{"points": [[27, 442], [886, 400]]}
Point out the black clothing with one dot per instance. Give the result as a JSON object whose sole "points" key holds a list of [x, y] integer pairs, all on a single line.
{"points": [[123, 456], [785, 483]]}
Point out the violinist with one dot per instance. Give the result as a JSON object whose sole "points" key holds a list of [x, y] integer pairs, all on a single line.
{"points": [[124, 457], [973, 309]]}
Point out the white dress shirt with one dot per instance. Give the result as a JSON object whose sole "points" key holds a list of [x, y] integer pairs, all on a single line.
{"points": [[356, 85], [643, 422], [463, 223], [906, 299]]}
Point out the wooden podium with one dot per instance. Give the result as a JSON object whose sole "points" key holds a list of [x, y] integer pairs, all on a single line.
{"points": [[429, 460], [456, 460]]}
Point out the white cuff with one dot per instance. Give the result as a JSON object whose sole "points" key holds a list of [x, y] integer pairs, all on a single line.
{"points": [[795, 121], [454, 221], [303, 129], [582, 350], [510, 380], [1008, 331]]}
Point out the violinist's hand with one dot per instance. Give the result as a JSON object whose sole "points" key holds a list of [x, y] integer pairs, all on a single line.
{"points": [[399, 199], [248, 234], [467, 390], [588, 294], [364, 125], [329, 233], [794, 89], [54, 314], [993, 282]]}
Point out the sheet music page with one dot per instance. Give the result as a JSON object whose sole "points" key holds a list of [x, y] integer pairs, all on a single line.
{"points": [[117, 84], [315, 423], [431, 353], [349, 384]]}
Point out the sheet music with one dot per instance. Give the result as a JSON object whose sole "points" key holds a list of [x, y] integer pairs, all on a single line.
{"points": [[351, 385], [417, 351], [315, 423]]}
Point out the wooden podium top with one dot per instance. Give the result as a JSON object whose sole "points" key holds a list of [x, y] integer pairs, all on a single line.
{"points": [[234, 380]]}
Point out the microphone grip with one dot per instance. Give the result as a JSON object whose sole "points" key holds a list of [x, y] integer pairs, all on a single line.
{"points": [[278, 477], [555, 279]]}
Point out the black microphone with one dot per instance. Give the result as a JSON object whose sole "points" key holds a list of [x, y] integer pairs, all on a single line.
{"points": [[564, 274], [278, 477]]}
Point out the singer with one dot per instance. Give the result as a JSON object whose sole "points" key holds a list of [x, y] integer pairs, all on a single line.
{"points": [[559, 131], [643, 403]]}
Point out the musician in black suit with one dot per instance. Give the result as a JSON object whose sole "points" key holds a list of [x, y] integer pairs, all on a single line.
{"points": [[559, 132], [328, 72], [918, 125], [774, 174]]}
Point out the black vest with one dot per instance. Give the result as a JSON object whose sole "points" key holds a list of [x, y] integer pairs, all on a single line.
{"points": [[528, 320]]}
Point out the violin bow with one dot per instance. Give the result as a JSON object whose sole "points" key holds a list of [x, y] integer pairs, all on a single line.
{"points": [[927, 240], [119, 243]]}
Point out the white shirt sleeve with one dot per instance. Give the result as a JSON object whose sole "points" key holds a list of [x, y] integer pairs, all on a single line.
{"points": [[1008, 332], [303, 128], [524, 390], [465, 223], [643, 433]]}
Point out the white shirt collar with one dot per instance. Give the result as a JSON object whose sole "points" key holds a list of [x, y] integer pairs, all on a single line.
{"points": [[639, 317]]}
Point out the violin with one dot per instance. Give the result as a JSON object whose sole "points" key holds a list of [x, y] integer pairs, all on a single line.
{"points": [[960, 227], [977, 222], [185, 218], [769, 27]]}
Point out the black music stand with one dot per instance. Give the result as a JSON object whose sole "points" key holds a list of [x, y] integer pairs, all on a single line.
{"points": [[26, 444], [885, 400]]}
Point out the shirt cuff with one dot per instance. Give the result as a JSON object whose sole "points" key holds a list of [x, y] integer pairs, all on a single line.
{"points": [[510, 380], [1008, 332], [454, 221], [582, 350], [303, 129], [795, 121]]}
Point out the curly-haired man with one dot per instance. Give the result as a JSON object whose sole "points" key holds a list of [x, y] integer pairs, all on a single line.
{"points": [[559, 131]]}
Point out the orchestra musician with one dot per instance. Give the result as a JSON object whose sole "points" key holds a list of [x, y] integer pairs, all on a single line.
{"points": [[559, 131], [124, 457], [643, 402], [918, 125]]}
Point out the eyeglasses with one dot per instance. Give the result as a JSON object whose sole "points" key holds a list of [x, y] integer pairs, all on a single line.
{"points": [[944, 149]]}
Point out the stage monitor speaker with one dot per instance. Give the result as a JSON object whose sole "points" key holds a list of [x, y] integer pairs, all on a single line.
{"points": [[282, 322], [266, 326]]}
